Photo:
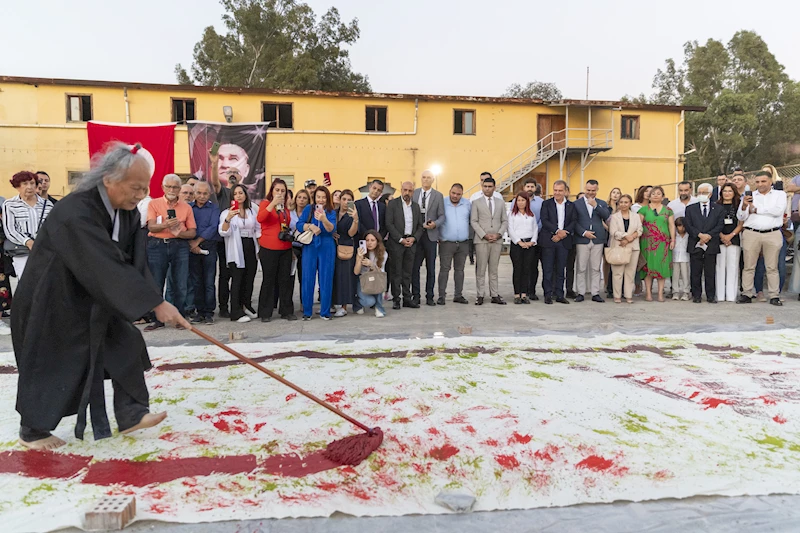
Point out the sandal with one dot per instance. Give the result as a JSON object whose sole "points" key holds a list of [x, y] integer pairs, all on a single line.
{"points": [[617, 301]]}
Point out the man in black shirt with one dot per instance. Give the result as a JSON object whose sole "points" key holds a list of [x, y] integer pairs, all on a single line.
{"points": [[221, 196]]}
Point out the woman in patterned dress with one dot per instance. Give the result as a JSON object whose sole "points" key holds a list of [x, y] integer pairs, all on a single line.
{"points": [[657, 242]]}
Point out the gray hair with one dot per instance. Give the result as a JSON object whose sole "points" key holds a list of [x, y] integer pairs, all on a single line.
{"points": [[560, 182], [204, 183], [113, 163], [705, 187], [172, 178]]}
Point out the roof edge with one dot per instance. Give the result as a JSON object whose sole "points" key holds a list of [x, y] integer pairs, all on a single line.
{"points": [[374, 95]]}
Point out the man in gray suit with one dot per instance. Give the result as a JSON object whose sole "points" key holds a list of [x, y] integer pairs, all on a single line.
{"points": [[489, 220], [431, 206], [590, 239], [404, 222]]}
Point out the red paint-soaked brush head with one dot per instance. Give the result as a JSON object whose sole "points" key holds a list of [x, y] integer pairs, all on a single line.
{"points": [[352, 450]]}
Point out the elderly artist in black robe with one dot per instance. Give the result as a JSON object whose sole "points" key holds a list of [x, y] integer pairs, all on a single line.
{"points": [[87, 281]]}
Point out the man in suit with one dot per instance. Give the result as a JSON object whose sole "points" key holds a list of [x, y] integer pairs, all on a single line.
{"points": [[404, 222], [704, 221], [722, 179], [558, 226], [590, 239], [371, 212], [431, 205], [489, 221]]}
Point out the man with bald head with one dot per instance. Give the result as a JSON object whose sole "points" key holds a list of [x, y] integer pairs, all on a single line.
{"points": [[431, 206], [704, 221], [404, 222], [203, 255]]}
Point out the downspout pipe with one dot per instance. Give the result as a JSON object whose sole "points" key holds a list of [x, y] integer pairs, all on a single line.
{"points": [[127, 106], [678, 152]]}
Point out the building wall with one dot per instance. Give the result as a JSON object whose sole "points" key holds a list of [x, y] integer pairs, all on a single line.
{"points": [[34, 135]]}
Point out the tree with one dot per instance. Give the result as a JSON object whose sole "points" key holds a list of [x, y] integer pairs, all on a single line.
{"points": [[276, 44], [534, 90], [753, 108]]}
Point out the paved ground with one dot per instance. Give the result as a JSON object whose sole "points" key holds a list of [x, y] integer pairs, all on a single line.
{"points": [[775, 513]]}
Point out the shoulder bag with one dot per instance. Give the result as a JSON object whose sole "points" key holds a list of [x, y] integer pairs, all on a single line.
{"points": [[13, 249], [373, 281], [307, 236], [619, 255]]}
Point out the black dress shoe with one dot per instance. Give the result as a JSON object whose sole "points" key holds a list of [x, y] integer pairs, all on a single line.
{"points": [[223, 313], [743, 299], [432, 303], [571, 294], [460, 300], [775, 301], [548, 300], [396, 305], [498, 300], [440, 301], [562, 300], [525, 300], [289, 317], [712, 300], [697, 300], [579, 298], [412, 304], [534, 297], [479, 301], [597, 298]]}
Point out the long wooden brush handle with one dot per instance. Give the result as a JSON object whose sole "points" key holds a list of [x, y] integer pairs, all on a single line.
{"points": [[286, 382]]}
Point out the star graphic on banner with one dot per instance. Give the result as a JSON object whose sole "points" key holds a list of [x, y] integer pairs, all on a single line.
{"points": [[258, 133], [199, 174]]}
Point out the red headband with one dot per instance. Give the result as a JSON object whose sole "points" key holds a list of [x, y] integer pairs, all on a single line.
{"points": [[135, 148]]}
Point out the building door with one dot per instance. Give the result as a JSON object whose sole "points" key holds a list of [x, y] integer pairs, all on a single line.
{"points": [[551, 124]]}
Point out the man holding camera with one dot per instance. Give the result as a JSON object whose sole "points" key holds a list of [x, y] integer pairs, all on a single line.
{"points": [[762, 213], [171, 225]]}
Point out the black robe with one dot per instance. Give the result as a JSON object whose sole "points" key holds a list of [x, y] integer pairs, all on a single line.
{"points": [[73, 313]]}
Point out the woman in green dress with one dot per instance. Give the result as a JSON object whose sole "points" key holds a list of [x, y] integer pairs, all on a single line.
{"points": [[656, 243]]}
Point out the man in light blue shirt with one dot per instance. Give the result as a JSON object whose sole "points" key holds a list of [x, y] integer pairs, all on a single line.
{"points": [[454, 243]]}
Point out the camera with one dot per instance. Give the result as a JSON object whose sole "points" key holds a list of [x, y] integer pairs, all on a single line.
{"points": [[286, 234]]}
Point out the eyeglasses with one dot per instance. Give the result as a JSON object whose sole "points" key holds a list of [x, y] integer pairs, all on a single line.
{"points": [[171, 187]]}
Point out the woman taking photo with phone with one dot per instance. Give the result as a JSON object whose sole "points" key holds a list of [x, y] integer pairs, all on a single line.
{"points": [[320, 254], [240, 229], [344, 278], [301, 200], [275, 253], [371, 258]]}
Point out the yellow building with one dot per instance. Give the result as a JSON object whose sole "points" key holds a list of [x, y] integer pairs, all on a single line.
{"points": [[356, 137]]}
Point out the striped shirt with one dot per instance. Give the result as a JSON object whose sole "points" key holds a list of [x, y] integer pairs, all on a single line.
{"points": [[21, 221]]}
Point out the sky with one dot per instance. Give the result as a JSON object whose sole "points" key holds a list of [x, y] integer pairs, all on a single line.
{"points": [[457, 47]]}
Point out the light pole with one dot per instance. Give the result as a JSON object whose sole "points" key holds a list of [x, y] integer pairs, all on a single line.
{"points": [[436, 169]]}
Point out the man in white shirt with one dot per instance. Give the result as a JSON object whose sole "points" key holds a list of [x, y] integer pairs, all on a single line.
{"points": [[762, 213], [404, 222], [590, 238], [431, 205], [684, 200]]}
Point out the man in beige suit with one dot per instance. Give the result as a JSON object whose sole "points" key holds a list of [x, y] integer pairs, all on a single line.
{"points": [[489, 220]]}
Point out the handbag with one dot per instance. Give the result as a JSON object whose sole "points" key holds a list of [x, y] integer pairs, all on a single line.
{"points": [[619, 255], [344, 252], [12, 249], [373, 282], [307, 236]]}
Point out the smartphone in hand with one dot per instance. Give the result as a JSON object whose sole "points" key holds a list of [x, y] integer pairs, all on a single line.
{"points": [[215, 148], [234, 205], [362, 245], [171, 213]]}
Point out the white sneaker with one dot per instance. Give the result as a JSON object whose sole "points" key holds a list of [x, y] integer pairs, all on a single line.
{"points": [[676, 296], [244, 319], [4, 329], [250, 313], [360, 311], [340, 312], [378, 314], [685, 297]]}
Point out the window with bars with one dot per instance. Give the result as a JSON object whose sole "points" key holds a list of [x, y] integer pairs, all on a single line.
{"points": [[280, 115], [464, 122], [79, 107], [630, 127], [183, 109], [74, 177], [288, 179], [376, 119]]}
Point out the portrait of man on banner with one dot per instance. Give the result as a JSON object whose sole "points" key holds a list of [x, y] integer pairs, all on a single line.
{"points": [[242, 154]]}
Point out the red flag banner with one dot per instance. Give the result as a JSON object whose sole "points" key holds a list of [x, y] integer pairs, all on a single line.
{"points": [[159, 140]]}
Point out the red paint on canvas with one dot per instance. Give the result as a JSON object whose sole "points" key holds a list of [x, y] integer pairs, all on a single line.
{"points": [[396, 400], [767, 400], [230, 412], [663, 475], [335, 397], [469, 429], [491, 442], [143, 473], [694, 395], [433, 431], [516, 438], [713, 403], [291, 396], [596, 463], [41, 464], [509, 462], [443, 453], [370, 390], [779, 419], [457, 419]]}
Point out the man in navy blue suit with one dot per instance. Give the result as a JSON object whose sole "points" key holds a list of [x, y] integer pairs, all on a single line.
{"points": [[590, 239], [368, 208], [555, 239]]}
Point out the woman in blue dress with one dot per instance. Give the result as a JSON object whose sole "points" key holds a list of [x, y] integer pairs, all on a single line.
{"points": [[319, 256]]}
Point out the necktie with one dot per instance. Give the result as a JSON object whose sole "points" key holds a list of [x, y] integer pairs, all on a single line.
{"points": [[424, 199], [375, 215], [705, 210], [491, 206]]}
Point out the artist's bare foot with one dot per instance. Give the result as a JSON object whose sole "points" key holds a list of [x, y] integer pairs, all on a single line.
{"points": [[149, 420], [50, 443]]}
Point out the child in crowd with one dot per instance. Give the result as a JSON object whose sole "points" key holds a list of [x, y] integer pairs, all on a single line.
{"points": [[680, 262]]}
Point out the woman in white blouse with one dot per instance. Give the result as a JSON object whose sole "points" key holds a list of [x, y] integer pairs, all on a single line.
{"points": [[523, 230], [240, 230], [23, 215]]}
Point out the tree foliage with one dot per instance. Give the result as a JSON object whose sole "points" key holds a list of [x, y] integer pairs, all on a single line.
{"points": [[753, 107], [534, 90], [276, 44]]}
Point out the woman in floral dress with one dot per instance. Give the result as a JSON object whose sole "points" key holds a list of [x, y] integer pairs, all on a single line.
{"points": [[656, 242]]}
